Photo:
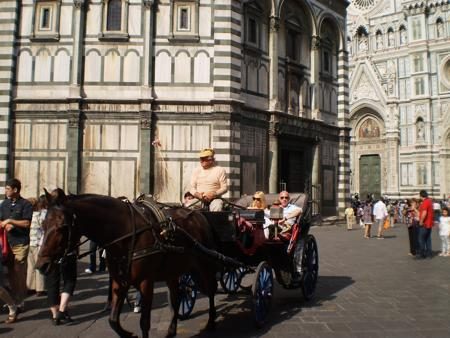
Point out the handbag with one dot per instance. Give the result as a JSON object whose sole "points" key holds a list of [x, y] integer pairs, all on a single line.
{"points": [[387, 223], [6, 253]]}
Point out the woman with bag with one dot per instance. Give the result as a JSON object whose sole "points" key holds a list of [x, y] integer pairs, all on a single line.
{"points": [[411, 214]]}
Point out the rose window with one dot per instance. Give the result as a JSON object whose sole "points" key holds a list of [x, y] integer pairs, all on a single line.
{"points": [[363, 4]]}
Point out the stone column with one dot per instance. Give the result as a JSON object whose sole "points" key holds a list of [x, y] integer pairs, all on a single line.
{"points": [[146, 172], [148, 48], [273, 154], [315, 69], [74, 146], [77, 50], [392, 147], [316, 188], [274, 103]]}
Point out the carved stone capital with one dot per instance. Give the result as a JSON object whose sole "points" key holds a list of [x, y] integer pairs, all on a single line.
{"points": [[315, 42], [146, 122], [78, 3], [274, 24], [74, 119], [274, 129]]}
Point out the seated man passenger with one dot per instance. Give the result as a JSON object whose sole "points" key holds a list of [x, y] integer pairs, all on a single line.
{"points": [[290, 212], [209, 181]]}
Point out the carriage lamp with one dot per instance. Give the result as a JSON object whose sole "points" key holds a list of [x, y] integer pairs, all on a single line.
{"points": [[276, 214]]}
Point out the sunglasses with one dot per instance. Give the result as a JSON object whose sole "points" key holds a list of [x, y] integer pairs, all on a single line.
{"points": [[256, 199], [284, 197]]}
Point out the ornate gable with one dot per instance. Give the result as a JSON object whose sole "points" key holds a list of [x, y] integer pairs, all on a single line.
{"points": [[365, 85]]}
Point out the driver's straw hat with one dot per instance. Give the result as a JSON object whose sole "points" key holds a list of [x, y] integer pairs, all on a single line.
{"points": [[207, 152]]}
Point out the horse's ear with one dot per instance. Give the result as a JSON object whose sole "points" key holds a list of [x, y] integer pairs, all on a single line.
{"points": [[48, 196]]}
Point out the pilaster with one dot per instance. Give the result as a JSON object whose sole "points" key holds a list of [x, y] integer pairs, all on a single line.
{"points": [[315, 70], [9, 23], [74, 147], [146, 173], [78, 28], [274, 103], [273, 154]]}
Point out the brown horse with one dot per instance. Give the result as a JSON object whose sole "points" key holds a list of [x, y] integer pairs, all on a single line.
{"points": [[140, 248]]}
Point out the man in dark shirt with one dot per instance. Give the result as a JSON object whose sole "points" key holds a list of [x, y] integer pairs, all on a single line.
{"points": [[15, 215]]}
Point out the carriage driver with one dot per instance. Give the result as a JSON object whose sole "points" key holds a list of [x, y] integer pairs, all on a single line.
{"points": [[290, 212], [209, 181]]}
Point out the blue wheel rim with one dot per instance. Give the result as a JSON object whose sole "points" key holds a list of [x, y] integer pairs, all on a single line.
{"points": [[187, 293], [263, 293]]}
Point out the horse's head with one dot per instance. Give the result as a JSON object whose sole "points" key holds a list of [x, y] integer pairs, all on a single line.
{"points": [[60, 234]]}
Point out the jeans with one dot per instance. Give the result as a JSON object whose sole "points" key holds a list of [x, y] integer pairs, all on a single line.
{"points": [[93, 259], [424, 242], [445, 244], [412, 234]]}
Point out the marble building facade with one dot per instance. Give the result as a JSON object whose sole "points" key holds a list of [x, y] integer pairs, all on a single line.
{"points": [[399, 97], [117, 96]]}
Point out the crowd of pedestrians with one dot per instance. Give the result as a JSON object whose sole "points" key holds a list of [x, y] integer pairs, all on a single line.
{"points": [[419, 214], [21, 235]]}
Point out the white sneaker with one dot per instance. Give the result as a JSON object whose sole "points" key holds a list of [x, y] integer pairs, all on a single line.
{"points": [[89, 271], [137, 309]]}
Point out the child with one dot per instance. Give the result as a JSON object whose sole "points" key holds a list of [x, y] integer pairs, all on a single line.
{"points": [[444, 232]]}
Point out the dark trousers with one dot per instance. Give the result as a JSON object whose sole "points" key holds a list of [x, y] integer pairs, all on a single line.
{"points": [[425, 242], [412, 234], [93, 258], [67, 271]]}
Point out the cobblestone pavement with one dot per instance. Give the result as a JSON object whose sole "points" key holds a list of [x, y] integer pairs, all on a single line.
{"points": [[367, 288]]}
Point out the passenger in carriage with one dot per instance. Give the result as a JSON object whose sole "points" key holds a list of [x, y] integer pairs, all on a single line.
{"points": [[259, 202], [209, 181], [290, 212]]}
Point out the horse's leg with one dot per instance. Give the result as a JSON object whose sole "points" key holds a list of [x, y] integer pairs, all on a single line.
{"points": [[146, 289], [208, 279], [174, 306], [212, 290], [118, 296]]}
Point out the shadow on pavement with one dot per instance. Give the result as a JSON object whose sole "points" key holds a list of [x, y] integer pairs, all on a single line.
{"points": [[286, 305], [4, 330]]}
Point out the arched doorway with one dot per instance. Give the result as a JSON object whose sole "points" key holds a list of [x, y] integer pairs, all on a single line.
{"points": [[368, 154]]}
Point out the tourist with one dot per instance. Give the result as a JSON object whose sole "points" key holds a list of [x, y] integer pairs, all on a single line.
{"points": [[15, 215], [35, 279], [444, 232], [425, 225], [411, 213], [367, 218], [350, 217], [380, 213]]}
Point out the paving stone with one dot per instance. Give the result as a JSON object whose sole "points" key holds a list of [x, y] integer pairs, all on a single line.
{"points": [[366, 288]]}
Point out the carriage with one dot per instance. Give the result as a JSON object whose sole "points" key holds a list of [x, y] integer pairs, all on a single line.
{"points": [[292, 256], [146, 241]]}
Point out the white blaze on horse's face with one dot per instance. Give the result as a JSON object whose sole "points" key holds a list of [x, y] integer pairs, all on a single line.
{"points": [[55, 237]]}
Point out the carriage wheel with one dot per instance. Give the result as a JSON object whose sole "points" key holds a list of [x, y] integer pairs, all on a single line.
{"points": [[262, 291], [310, 267], [230, 280], [187, 293]]}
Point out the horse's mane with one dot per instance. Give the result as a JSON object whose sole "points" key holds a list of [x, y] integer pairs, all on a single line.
{"points": [[100, 200]]}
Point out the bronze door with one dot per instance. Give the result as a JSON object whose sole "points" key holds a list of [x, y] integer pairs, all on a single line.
{"points": [[369, 176]]}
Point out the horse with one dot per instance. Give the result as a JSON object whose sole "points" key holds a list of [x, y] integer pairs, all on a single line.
{"points": [[141, 248]]}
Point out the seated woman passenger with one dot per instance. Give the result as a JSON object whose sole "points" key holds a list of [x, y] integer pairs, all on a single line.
{"points": [[259, 202]]}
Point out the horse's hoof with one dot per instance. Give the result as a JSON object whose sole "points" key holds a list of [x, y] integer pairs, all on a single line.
{"points": [[211, 326], [171, 334]]}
